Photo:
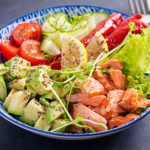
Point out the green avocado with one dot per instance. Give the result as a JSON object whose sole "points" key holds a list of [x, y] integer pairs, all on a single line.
{"points": [[58, 123], [53, 112], [18, 102], [18, 84], [42, 124], [3, 89], [39, 80], [31, 90], [8, 99], [32, 112], [50, 95], [3, 69], [19, 67]]}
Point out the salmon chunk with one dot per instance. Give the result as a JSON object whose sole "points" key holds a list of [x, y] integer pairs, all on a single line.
{"points": [[120, 120], [104, 80], [90, 101], [87, 113], [113, 99], [130, 100], [92, 88], [115, 64], [143, 102], [110, 108], [118, 78]]}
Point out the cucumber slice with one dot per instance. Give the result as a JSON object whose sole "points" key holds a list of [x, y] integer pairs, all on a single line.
{"points": [[66, 27], [49, 47], [61, 20], [3, 89], [99, 16], [95, 18], [57, 20], [46, 27], [81, 24], [55, 37], [80, 33]]}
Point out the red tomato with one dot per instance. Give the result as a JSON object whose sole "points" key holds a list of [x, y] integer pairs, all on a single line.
{"points": [[29, 50], [26, 31], [8, 49]]}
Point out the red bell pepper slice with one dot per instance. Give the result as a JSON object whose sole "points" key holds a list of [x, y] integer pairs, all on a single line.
{"points": [[106, 27], [119, 34]]}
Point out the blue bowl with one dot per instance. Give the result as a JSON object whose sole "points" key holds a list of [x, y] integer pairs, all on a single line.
{"points": [[39, 16]]}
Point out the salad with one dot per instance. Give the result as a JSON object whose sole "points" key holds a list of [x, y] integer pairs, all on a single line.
{"points": [[79, 74]]}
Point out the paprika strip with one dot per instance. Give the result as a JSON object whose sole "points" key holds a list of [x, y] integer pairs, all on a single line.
{"points": [[106, 27], [119, 34]]}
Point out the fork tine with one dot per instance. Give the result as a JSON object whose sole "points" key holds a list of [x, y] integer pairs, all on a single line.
{"points": [[137, 6], [132, 6], [143, 6]]}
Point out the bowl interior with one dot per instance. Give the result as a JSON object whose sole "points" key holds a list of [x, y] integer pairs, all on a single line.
{"points": [[39, 16]]}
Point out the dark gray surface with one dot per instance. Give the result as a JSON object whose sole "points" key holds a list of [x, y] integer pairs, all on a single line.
{"points": [[14, 138]]}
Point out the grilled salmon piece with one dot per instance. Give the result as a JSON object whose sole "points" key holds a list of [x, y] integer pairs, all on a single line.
{"points": [[92, 88], [104, 80], [90, 101], [118, 78], [113, 99], [110, 108], [130, 100], [143, 102], [87, 113], [114, 63], [120, 120]]}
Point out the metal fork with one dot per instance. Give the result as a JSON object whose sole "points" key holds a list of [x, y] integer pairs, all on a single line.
{"points": [[142, 7]]}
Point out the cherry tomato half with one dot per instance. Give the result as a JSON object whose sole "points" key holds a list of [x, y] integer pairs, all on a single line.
{"points": [[29, 50], [9, 49], [26, 31]]}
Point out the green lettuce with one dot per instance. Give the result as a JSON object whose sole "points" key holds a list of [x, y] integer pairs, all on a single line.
{"points": [[135, 56]]}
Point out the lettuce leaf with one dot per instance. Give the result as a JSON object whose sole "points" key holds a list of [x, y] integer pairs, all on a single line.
{"points": [[135, 56]]}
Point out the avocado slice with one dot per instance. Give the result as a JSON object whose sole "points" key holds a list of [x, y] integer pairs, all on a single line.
{"points": [[3, 89], [31, 90], [3, 69], [50, 95], [8, 99], [59, 122], [18, 102], [42, 124], [32, 112], [54, 111], [18, 84], [39, 80], [19, 67]]}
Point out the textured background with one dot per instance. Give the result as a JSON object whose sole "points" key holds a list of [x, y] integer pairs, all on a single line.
{"points": [[14, 138]]}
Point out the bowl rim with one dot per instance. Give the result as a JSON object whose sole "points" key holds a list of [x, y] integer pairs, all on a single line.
{"points": [[16, 122]]}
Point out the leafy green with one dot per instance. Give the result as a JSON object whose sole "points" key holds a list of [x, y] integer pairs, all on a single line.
{"points": [[139, 111], [135, 56], [136, 53]]}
